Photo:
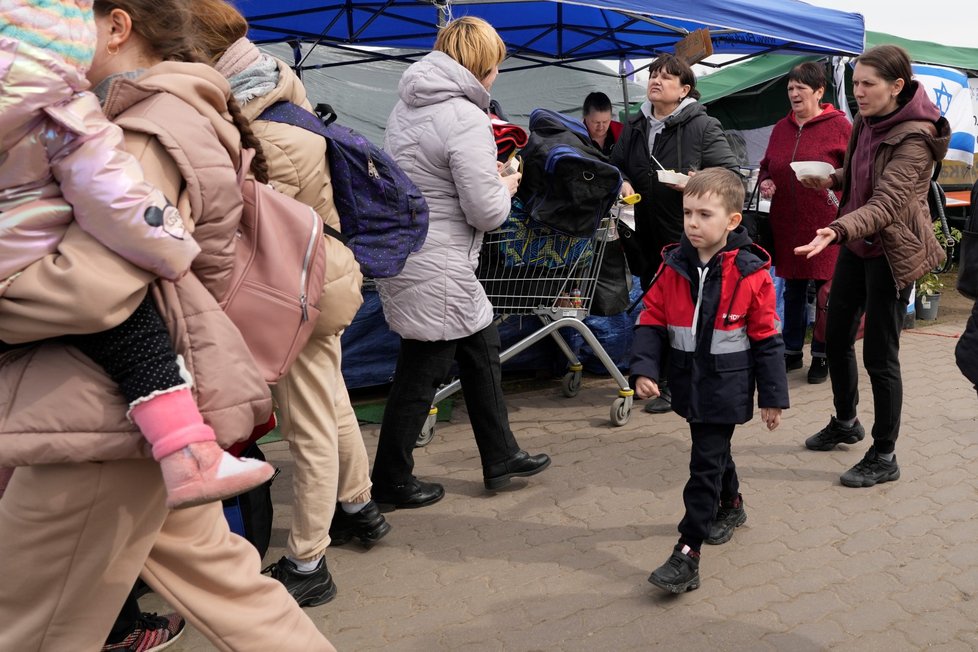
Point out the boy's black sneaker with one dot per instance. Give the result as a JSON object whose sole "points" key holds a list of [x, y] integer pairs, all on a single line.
{"points": [[870, 470], [793, 361], [729, 517], [368, 525], [818, 373], [309, 589], [680, 573], [834, 434]]}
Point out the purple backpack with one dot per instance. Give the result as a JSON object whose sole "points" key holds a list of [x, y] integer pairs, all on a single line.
{"points": [[383, 215]]}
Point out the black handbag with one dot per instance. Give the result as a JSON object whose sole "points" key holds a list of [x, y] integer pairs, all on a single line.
{"points": [[611, 295], [758, 223], [968, 251]]}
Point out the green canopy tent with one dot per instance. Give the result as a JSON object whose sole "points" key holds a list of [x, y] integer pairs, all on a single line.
{"points": [[748, 98]]}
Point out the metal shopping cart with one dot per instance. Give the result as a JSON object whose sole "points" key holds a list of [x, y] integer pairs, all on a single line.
{"points": [[534, 271]]}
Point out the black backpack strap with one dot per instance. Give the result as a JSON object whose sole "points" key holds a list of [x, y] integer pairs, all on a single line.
{"points": [[333, 233], [293, 114]]}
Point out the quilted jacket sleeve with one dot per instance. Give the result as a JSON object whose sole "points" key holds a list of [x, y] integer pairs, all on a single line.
{"points": [[472, 160], [109, 195]]}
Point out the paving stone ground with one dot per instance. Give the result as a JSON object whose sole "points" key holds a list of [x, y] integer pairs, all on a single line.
{"points": [[560, 561]]}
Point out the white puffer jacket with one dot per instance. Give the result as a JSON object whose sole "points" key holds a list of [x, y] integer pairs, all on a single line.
{"points": [[439, 133]]}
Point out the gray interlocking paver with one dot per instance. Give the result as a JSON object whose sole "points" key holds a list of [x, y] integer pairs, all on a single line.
{"points": [[559, 562]]}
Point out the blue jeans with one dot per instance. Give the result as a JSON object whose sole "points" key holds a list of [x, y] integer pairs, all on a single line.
{"points": [[796, 317]]}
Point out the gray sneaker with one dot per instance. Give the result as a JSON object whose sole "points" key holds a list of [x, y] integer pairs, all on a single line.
{"points": [[835, 433], [871, 470]]}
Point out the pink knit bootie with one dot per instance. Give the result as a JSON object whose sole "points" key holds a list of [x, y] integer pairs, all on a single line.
{"points": [[195, 469]]}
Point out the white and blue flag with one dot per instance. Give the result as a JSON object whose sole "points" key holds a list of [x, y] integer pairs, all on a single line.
{"points": [[948, 89]]}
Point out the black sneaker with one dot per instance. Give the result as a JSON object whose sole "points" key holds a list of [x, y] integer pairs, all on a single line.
{"points": [[729, 517], [368, 525], [680, 573], [818, 373], [870, 470], [662, 403], [309, 589], [793, 361], [835, 433]]}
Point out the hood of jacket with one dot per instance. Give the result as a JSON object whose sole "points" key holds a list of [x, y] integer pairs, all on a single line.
{"points": [[684, 115], [32, 81], [683, 256], [197, 84], [438, 77]]}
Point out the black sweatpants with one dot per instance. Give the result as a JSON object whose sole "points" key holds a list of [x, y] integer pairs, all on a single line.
{"points": [[137, 354], [866, 285], [712, 478], [421, 368]]}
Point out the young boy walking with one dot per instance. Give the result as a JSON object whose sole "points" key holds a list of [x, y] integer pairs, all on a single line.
{"points": [[712, 302]]}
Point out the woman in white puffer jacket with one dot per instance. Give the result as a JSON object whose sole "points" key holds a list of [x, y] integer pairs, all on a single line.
{"points": [[439, 133]]}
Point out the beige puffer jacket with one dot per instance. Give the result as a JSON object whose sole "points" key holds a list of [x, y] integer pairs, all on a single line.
{"points": [[58, 406], [297, 167]]}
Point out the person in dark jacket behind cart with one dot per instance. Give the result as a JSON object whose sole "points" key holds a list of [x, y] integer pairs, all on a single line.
{"points": [[712, 303], [677, 131]]}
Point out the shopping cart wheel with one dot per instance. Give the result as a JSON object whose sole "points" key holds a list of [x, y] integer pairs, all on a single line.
{"points": [[621, 409], [427, 431], [572, 383]]}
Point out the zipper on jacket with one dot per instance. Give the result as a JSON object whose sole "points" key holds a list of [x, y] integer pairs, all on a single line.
{"points": [[733, 295], [306, 262], [372, 169]]}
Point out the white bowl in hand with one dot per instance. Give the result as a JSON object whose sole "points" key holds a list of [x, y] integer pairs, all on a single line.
{"points": [[819, 169], [672, 178]]}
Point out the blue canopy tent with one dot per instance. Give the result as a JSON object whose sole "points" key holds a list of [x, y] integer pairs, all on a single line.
{"points": [[548, 31], [537, 33]]}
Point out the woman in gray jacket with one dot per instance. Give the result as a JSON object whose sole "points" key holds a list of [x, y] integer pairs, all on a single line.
{"points": [[439, 133]]}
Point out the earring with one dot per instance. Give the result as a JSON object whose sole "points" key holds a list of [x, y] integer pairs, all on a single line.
{"points": [[108, 48]]}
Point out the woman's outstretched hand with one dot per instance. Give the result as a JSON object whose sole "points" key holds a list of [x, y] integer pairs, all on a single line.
{"points": [[823, 238]]}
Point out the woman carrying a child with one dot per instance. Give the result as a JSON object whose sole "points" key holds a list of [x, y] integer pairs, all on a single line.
{"points": [[84, 498]]}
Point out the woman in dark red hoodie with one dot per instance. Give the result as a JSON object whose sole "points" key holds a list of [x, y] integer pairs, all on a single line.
{"points": [[888, 243], [812, 131]]}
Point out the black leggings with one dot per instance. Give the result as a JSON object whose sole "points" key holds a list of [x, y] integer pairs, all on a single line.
{"points": [[137, 354]]}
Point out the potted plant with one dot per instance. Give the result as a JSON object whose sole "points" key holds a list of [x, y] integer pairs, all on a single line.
{"points": [[947, 244], [928, 296]]}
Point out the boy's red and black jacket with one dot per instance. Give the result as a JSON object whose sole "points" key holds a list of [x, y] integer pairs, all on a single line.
{"points": [[719, 324]]}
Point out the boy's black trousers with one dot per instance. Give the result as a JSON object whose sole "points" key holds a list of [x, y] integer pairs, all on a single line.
{"points": [[712, 478]]}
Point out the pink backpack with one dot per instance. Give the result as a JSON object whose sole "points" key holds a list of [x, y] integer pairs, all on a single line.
{"points": [[279, 268]]}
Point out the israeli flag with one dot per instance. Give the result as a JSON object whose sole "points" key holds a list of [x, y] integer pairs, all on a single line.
{"points": [[948, 89]]}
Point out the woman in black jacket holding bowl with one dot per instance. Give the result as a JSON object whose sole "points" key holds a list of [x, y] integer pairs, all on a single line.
{"points": [[675, 129]]}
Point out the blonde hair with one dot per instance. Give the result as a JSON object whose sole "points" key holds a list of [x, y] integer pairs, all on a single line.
{"points": [[722, 183], [473, 43]]}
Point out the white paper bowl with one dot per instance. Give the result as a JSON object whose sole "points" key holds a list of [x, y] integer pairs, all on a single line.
{"points": [[819, 169], [672, 178]]}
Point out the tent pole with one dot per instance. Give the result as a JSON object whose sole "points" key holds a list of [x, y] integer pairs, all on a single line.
{"points": [[623, 75]]}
